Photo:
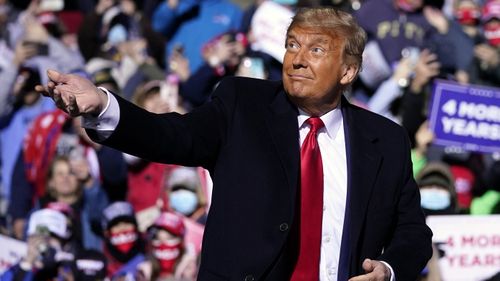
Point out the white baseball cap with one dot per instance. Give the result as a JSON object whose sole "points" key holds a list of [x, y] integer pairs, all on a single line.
{"points": [[53, 220]]}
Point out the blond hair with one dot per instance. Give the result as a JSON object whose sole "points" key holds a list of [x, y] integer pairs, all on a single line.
{"points": [[337, 23]]}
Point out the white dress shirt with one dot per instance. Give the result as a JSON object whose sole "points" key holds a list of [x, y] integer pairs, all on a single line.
{"points": [[331, 140], [333, 154]]}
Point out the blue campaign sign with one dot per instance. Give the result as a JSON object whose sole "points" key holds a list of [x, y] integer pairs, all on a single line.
{"points": [[467, 116]]}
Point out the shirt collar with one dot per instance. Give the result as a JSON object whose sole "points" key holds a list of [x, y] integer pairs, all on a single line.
{"points": [[332, 120]]}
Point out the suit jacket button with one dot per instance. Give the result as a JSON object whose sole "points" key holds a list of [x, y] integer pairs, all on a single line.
{"points": [[283, 227], [249, 278]]}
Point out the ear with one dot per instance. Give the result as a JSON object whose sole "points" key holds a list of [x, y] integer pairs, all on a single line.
{"points": [[349, 72]]}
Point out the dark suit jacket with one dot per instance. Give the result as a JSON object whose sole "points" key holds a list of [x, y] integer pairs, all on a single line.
{"points": [[247, 137]]}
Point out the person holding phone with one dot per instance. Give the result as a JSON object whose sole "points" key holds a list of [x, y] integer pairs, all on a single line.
{"points": [[222, 57], [181, 22], [47, 232]]}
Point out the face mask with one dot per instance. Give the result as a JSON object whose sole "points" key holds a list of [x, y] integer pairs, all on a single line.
{"points": [[492, 33], [117, 34], [184, 201], [286, 2], [434, 198], [167, 253], [123, 241], [467, 16]]}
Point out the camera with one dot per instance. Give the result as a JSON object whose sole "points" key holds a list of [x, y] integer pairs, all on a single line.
{"points": [[42, 49]]}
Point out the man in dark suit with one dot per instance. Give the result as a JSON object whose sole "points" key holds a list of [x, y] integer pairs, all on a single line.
{"points": [[259, 140]]}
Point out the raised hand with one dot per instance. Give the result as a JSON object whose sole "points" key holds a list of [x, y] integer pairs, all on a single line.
{"points": [[426, 68], [74, 94]]}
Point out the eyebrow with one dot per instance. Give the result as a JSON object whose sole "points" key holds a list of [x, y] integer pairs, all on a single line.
{"points": [[317, 40]]}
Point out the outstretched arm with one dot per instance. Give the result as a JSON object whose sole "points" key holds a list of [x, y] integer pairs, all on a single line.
{"points": [[192, 139]]}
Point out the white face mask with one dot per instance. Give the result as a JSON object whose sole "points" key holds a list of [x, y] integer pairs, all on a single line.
{"points": [[117, 34], [184, 201], [434, 198]]}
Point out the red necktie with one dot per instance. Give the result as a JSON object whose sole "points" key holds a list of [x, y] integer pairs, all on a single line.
{"points": [[311, 206]]}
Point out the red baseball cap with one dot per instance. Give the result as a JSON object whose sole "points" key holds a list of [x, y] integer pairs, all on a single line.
{"points": [[491, 9]]}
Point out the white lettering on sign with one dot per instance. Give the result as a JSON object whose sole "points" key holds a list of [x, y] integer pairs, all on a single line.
{"points": [[471, 260], [481, 92], [469, 246], [465, 128], [450, 107], [470, 110], [479, 111]]}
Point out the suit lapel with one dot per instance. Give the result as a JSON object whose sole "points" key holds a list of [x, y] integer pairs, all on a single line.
{"points": [[363, 164], [281, 122]]}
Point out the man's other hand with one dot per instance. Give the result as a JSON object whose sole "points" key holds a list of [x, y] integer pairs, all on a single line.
{"points": [[375, 271], [74, 94]]}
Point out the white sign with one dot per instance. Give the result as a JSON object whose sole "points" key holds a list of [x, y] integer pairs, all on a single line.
{"points": [[269, 25], [11, 251], [470, 246]]}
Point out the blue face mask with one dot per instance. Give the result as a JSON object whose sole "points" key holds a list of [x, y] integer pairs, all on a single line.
{"points": [[117, 34], [183, 201], [286, 2], [434, 199]]}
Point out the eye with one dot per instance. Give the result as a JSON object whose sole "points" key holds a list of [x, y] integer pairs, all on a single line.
{"points": [[318, 51], [292, 45]]}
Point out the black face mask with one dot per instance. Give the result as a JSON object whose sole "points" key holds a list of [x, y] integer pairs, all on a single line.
{"points": [[136, 249]]}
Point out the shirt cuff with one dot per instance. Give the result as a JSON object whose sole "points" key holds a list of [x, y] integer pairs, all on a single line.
{"points": [[107, 121], [393, 278]]}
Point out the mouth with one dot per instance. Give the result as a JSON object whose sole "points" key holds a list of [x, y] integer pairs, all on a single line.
{"points": [[299, 77]]}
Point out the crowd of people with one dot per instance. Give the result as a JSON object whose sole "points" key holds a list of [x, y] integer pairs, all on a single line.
{"points": [[89, 212]]}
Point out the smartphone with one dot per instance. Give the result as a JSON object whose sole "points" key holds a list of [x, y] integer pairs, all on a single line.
{"points": [[236, 37], [42, 49]]}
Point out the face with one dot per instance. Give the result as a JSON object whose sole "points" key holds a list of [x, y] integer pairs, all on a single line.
{"points": [[467, 12], [163, 236], [492, 32], [122, 227], [314, 72], [409, 5], [156, 104], [63, 180]]}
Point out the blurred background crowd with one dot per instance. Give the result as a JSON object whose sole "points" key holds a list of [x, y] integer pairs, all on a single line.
{"points": [[88, 212]]}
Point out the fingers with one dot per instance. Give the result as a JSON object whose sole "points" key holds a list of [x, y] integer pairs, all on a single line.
{"points": [[66, 101], [57, 77], [368, 265], [42, 90], [375, 271], [58, 100], [72, 106]]}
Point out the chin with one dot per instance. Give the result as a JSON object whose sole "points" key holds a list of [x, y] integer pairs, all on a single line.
{"points": [[297, 91]]}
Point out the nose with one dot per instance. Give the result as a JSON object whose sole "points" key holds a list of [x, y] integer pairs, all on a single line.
{"points": [[299, 59]]}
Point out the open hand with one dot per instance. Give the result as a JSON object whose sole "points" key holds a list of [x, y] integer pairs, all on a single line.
{"points": [[426, 68]]}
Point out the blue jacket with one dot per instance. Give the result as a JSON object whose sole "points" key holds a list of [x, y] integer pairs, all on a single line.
{"points": [[15, 272], [12, 136]]}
